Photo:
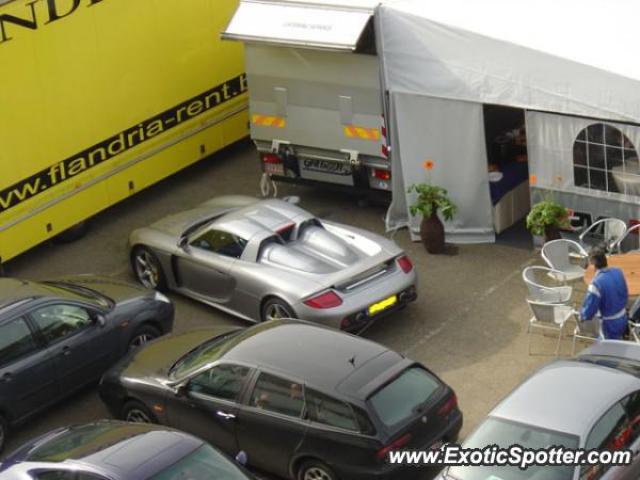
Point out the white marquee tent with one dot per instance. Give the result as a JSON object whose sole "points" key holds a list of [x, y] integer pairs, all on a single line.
{"points": [[563, 62]]}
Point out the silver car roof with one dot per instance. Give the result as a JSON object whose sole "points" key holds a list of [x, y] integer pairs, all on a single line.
{"points": [[566, 396], [263, 217]]}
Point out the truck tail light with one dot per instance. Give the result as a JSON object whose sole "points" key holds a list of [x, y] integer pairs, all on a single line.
{"points": [[328, 299], [405, 263], [399, 443], [449, 405], [381, 174], [271, 158]]}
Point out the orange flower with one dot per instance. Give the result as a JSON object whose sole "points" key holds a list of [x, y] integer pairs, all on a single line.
{"points": [[428, 164]]}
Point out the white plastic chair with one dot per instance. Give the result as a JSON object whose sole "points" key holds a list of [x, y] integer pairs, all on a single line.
{"points": [[589, 330], [546, 285], [549, 316], [607, 230], [564, 256], [630, 241]]}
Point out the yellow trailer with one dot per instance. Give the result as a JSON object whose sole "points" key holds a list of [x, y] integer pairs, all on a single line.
{"points": [[102, 98]]}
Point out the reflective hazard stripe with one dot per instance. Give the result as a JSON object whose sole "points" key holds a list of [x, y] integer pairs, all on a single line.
{"points": [[593, 289], [268, 121], [364, 133], [615, 316]]}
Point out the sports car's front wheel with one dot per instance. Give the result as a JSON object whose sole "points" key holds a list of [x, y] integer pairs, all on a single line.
{"points": [[147, 268], [275, 309]]}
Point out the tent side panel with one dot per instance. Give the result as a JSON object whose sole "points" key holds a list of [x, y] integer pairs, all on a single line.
{"points": [[442, 142]]}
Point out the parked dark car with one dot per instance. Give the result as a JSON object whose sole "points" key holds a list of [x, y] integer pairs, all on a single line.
{"points": [[57, 336], [303, 401], [110, 450]]}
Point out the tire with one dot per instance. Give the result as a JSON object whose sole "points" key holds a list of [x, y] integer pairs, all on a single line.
{"points": [[147, 269], [315, 470], [4, 432], [71, 234], [142, 335], [275, 308], [134, 411]]}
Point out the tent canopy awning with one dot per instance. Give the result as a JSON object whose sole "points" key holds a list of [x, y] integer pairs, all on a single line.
{"points": [[570, 57], [318, 25]]}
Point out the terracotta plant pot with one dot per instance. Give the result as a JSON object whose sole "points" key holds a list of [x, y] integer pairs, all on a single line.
{"points": [[551, 233], [432, 234]]}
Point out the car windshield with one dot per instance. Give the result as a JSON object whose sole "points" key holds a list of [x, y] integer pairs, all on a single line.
{"points": [[505, 434], [401, 398], [204, 464], [202, 355], [86, 293]]}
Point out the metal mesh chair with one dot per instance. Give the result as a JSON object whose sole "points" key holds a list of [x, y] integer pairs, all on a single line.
{"points": [[630, 241], [565, 256], [589, 330], [549, 316], [608, 231], [546, 285]]}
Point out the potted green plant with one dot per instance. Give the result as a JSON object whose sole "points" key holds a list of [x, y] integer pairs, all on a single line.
{"points": [[430, 201], [546, 218]]}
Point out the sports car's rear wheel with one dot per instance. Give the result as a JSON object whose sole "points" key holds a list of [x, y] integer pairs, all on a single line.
{"points": [[275, 309], [147, 268]]}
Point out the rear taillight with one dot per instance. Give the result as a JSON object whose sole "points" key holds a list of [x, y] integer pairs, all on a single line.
{"points": [[271, 158], [381, 174], [405, 264], [328, 299], [449, 405], [401, 442]]}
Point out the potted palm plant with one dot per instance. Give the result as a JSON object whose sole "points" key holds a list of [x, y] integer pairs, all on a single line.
{"points": [[546, 218], [430, 201]]}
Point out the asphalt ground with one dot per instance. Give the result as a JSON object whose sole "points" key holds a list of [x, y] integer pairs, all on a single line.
{"points": [[468, 324]]}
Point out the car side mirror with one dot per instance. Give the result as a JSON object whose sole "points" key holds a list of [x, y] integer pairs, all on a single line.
{"points": [[292, 199], [184, 243], [242, 458], [182, 390], [101, 321]]}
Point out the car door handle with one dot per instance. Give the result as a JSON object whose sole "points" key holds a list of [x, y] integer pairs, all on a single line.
{"points": [[6, 378], [225, 415], [66, 351]]}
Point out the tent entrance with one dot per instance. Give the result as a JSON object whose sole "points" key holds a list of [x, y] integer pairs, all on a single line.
{"points": [[507, 162]]}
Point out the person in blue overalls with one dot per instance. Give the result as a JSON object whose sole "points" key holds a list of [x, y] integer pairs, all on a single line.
{"points": [[607, 295]]}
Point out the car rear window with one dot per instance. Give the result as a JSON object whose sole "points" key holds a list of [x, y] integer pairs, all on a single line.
{"points": [[504, 434], [398, 400]]}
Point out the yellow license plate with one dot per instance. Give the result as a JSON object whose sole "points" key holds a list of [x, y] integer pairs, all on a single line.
{"points": [[383, 305]]}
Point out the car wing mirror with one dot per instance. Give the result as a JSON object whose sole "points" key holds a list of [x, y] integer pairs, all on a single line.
{"points": [[242, 458], [184, 243], [182, 389], [101, 321], [292, 199]]}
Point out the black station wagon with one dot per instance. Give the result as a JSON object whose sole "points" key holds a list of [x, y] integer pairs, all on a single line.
{"points": [[303, 401]]}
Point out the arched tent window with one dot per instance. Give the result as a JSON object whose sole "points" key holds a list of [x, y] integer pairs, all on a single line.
{"points": [[605, 159]]}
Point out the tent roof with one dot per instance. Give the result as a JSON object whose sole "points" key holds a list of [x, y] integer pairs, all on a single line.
{"points": [[593, 32], [573, 56]]}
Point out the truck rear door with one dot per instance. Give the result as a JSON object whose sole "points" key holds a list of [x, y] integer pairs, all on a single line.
{"points": [[315, 95]]}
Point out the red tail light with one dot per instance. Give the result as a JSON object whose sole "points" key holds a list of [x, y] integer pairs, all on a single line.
{"points": [[401, 442], [271, 158], [382, 174], [384, 131], [450, 404], [405, 264], [328, 299]]}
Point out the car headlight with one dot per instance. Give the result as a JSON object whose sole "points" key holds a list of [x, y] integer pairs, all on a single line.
{"points": [[161, 297]]}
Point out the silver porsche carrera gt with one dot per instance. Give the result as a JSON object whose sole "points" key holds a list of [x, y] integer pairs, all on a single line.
{"points": [[266, 259]]}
